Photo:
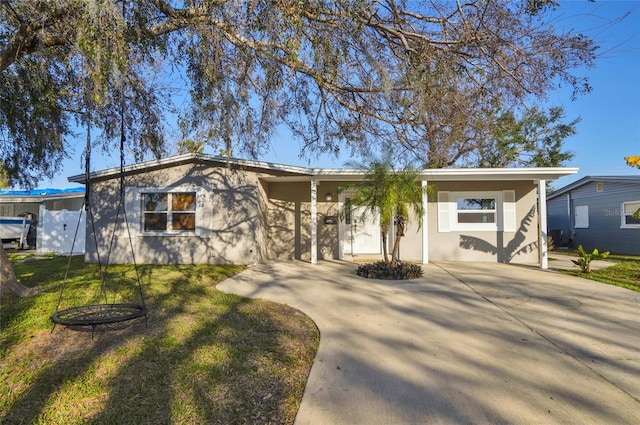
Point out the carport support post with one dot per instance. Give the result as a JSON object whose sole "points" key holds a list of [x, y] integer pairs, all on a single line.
{"points": [[425, 227], [542, 202], [314, 221]]}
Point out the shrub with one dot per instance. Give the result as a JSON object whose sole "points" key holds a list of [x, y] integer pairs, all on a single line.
{"points": [[382, 270], [585, 258], [550, 245]]}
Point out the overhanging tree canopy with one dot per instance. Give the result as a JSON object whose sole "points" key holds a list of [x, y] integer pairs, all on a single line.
{"points": [[633, 161], [340, 74], [533, 140]]}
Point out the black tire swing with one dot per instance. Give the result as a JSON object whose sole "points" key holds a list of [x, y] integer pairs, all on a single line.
{"points": [[103, 315]]}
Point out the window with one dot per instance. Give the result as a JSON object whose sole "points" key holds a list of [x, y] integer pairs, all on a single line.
{"points": [[169, 212], [631, 215], [476, 210]]}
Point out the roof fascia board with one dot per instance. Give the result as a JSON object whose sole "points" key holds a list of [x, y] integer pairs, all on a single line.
{"points": [[449, 174], [569, 187], [336, 174], [30, 199], [187, 158], [497, 174]]}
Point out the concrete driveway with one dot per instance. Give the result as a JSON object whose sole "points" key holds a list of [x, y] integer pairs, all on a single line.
{"points": [[467, 344]]}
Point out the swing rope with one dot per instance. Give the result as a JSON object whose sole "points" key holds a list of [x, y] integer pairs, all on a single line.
{"points": [[122, 208], [102, 316]]}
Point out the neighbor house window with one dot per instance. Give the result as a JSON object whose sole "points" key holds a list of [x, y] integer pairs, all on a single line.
{"points": [[631, 215], [169, 211]]}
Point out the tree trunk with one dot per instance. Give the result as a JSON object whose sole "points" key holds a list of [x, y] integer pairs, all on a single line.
{"points": [[384, 231], [9, 285], [400, 222]]}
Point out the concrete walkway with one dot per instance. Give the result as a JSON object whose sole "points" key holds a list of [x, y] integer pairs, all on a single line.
{"points": [[466, 344]]}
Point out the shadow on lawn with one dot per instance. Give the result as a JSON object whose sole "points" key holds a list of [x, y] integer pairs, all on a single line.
{"points": [[206, 357]]}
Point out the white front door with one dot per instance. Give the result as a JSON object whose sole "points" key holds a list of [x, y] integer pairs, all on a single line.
{"points": [[361, 231]]}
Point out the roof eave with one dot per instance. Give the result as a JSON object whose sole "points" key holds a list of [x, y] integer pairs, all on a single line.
{"points": [[30, 199], [588, 179], [497, 174], [337, 174], [187, 158]]}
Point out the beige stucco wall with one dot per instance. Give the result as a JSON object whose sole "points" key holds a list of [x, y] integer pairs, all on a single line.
{"points": [[327, 232], [520, 246], [247, 217], [289, 231], [411, 242], [250, 219], [228, 234], [288, 220]]}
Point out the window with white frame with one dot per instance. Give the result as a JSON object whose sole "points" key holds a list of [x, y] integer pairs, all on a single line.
{"points": [[476, 210], [168, 212], [631, 215], [469, 211]]}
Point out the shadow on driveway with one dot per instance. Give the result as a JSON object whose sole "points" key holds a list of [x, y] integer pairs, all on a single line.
{"points": [[467, 343]]}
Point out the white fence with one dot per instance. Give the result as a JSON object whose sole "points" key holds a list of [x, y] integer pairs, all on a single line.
{"points": [[57, 229]]}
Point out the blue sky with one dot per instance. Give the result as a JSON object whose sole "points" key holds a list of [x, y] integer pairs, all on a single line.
{"points": [[610, 126]]}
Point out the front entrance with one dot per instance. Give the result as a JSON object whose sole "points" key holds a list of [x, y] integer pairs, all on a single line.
{"points": [[360, 230]]}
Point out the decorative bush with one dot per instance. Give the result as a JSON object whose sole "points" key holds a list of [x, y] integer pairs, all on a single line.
{"points": [[585, 258], [382, 270]]}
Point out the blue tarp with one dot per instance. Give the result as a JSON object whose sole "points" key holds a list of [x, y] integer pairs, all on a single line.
{"points": [[14, 220], [41, 192]]}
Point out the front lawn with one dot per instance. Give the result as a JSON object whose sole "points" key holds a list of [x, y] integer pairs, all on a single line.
{"points": [[205, 357], [624, 272]]}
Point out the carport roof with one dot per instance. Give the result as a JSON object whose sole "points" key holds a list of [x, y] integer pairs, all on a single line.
{"points": [[281, 172]]}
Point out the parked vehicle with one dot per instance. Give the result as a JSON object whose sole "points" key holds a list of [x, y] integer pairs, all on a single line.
{"points": [[14, 231]]}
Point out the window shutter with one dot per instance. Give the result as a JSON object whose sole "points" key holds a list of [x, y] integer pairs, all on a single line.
{"points": [[443, 211], [582, 217], [204, 213], [509, 218], [132, 206]]}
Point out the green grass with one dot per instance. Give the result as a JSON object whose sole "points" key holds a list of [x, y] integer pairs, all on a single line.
{"points": [[625, 271], [205, 357]]}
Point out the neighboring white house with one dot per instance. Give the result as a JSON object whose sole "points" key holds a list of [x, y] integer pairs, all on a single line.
{"points": [[199, 208], [54, 213]]}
